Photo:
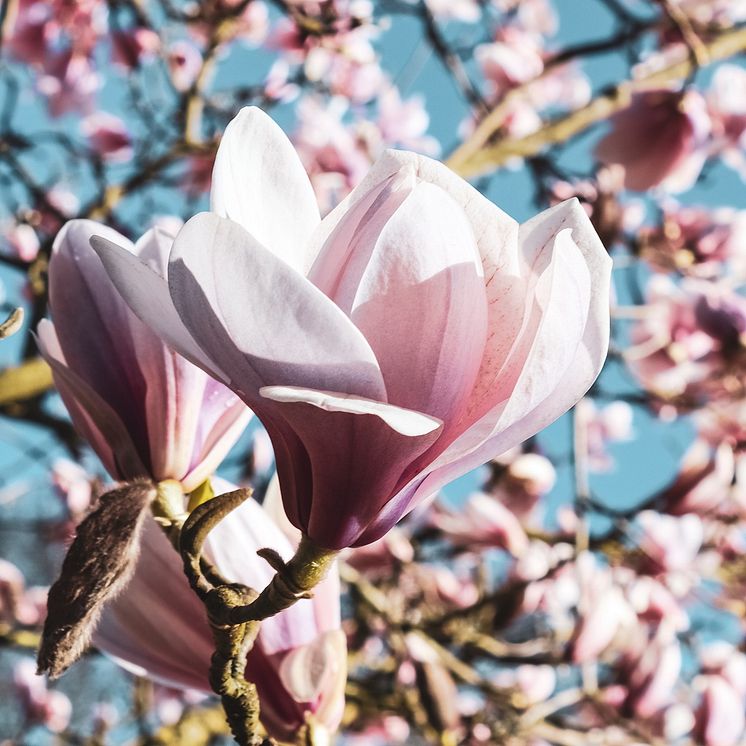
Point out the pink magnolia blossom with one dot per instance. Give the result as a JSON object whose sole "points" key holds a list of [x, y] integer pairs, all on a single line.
{"points": [[514, 58], [134, 46], [604, 610], [413, 334], [160, 630], [74, 485], [704, 480], [481, 520], [660, 140], [52, 709], [653, 672], [69, 82], [465, 11], [689, 340], [18, 603], [380, 557], [609, 424], [184, 63], [520, 481], [404, 123], [697, 241], [144, 409], [23, 241], [30, 33], [335, 156], [720, 717], [108, 136], [670, 542]]}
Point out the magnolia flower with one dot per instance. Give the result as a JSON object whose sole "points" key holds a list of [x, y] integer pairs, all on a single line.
{"points": [[144, 409], [108, 136], [482, 521], [40, 705], [415, 333], [659, 139], [159, 629]]}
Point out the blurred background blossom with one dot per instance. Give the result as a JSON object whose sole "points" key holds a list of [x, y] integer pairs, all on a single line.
{"points": [[587, 587]]}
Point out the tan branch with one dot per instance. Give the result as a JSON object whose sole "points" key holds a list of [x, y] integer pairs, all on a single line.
{"points": [[25, 381], [478, 156]]}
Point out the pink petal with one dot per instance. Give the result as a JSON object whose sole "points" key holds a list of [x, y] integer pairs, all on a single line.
{"points": [[94, 325], [146, 293], [262, 322], [420, 303], [259, 182], [568, 331], [94, 419], [339, 458]]}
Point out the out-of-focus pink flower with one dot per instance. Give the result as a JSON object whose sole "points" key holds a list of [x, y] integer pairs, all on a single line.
{"points": [[514, 58], [670, 542], [537, 16], [654, 603], [23, 241], [720, 718], [69, 82], [345, 61], [19, 604], [197, 176], [660, 139], [334, 157], [145, 410], [465, 11], [378, 559], [52, 709], [29, 34], [727, 106], [601, 199], [108, 136], [704, 479], [609, 424], [653, 672], [727, 661], [184, 64], [689, 340], [61, 204], [453, 586], [390, 730], [253, 24], [481, 520], [277, 84], [299, 660], [604, 611], [404, 123], [74, 484], [697, 241], [520, 481], [132, 47], [517, 323], [536, 683]]}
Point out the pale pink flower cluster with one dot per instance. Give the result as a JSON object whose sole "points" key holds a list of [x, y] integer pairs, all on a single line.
{"points": [[342, 57], [40, 705], [516, 57], [337, 146], [697, 241], [688, 343], [58, 39]]}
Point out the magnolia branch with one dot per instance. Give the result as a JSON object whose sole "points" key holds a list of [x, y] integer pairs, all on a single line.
{"points": [[483, 151]]}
